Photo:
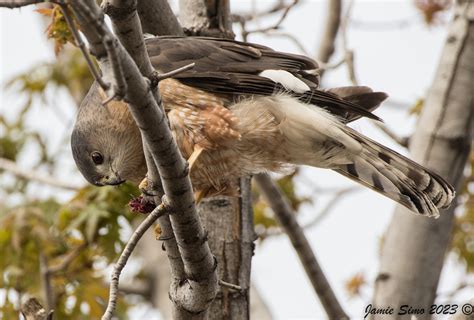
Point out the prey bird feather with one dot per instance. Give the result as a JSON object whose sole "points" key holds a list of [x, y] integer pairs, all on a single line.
{"points": [[243, 109]]}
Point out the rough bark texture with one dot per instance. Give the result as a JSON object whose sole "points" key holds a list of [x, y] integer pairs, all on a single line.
{"points": [[206, 18], [33, 310], [231, 237], [157, 18], [228, 220], [287, 219], [414, 247]]}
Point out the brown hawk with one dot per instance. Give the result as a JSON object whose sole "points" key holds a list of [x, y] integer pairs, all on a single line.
{"points": [[243, 109]]}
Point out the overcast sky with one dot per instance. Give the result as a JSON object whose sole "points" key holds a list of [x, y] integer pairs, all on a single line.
{"points": [[398, 60]]}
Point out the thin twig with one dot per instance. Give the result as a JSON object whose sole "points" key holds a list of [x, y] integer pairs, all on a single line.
{"points": [[127, 251], [46, 282], [287, 219], [81, 45], [348, 54], [331, 28], [120, 85], [275, 26], [290, 37], [230, 285], [402, 141], [166, 75], [330, 66], [33, 175], [318, 217], [66, 261], [329, 206], [244, 17]]}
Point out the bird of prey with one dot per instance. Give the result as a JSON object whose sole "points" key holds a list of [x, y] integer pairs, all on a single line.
{"points": [[244, 109]]}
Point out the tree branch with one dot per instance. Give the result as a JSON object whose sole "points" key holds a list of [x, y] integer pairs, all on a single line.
{"points": [[348, 54], [34, 175], [333, 21], [206, 18], [402, 141], [157, 18], [33, 310], [287, 220], [441, 142], [199, 289], [11, 4], [66, 261], [276, 26], [48, 291], [81, 45], [127, 251]]}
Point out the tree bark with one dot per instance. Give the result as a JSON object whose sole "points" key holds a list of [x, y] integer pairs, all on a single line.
{"points": [[415, 247], [228, 220], [157, 18], [206, 18]]}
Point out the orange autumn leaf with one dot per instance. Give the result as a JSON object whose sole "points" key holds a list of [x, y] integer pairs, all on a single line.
{"points": [[354, 284], [431, 8]]}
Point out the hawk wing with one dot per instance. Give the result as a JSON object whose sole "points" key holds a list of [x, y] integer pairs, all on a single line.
{"points": [[236, 68]]}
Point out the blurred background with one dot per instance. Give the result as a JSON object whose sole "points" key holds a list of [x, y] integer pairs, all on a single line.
{"points": [[51, 220]]}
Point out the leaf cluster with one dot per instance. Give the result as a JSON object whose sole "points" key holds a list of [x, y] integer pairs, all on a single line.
{"points": [[78, 240]]}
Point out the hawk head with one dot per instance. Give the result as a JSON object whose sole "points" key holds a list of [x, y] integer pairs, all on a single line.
{"points": [[106, 143]]}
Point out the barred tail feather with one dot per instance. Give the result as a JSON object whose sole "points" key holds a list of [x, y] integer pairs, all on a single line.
{"points": [[407, 183], [316, 138]]}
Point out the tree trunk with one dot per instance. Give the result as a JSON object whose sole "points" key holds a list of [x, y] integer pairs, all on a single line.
{"points": [[414, 246], [229, 223], [206, 18], [228, 220]]}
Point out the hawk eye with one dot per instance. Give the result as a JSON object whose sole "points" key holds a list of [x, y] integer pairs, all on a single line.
{"points": [[97, 158]]}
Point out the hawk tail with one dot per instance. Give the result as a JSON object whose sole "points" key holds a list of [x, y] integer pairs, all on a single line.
{"points": [[314, 137], [397, 177]]}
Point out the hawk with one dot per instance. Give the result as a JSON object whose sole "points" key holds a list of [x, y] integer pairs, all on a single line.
{"points": [[243, 109]]}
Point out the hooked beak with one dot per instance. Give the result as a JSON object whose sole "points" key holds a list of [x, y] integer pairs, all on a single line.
{"points": [[112, 180]]}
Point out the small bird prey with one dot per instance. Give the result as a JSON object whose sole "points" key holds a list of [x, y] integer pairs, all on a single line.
{"points": [[243, 109]]}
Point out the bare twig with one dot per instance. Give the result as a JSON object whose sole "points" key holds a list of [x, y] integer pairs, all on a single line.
{"points": [[327, 209], [120, 86], [33, 310], [289, 36], [348, 54], [166, 75], [329, 66], [34, 175], [333, 20], [127, 251], [385, 24], [66, 261], [402, 141], [47, 287], [288, 221], [82, 46], [244, 17], [275, 26], [230, 285], [11, 4], [329, 206]]}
